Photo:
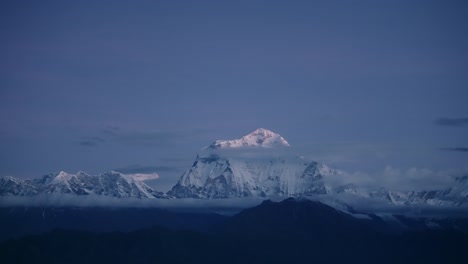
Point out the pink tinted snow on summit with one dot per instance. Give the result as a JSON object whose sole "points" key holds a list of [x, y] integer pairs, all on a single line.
{"points": [[258, 138]]}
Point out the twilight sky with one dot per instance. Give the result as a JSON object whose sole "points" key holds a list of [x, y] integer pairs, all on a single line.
{"points": [[141, 86]]}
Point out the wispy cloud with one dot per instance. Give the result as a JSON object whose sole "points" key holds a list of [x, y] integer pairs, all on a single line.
{"points": [[114, 134], [91, 141], [144, 176], [452, 122], [158, 177], [135, 168], [459, 149], [153, 138], [111, 130]]}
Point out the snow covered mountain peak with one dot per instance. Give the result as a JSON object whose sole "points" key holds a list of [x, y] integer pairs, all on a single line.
{"points": [[259, 164], [261, 137], [61, 176]]}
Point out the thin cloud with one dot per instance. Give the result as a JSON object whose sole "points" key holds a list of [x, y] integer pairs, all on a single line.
{"points": [[66, 200], [91, 141], [134, 169], [111, 130], [459, 149], [452, 122], [156, 138], [155, 176], [144, 176], [142, 138]]}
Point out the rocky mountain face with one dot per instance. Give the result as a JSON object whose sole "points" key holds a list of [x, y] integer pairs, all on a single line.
{"points": [[14, 186], [259, 164], [112, 184]]}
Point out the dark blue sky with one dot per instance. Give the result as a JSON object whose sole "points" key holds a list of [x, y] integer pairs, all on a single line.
{"points": [[359, 85]]}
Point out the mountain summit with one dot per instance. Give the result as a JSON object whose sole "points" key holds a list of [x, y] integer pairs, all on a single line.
{"points": [[261, 137]]}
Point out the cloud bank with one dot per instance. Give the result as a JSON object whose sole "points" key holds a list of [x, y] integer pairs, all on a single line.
{"points": [[344, 202], [68, 200]]}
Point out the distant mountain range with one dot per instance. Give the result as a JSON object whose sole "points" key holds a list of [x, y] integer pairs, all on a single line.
{"points": [[260, 164], [455, 195], [112, 184]]}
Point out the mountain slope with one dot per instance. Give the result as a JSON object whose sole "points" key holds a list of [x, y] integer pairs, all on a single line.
{"points": [[301, 219]]}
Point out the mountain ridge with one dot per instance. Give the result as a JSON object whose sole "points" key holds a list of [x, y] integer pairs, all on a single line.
{"points": [[112, 184]]}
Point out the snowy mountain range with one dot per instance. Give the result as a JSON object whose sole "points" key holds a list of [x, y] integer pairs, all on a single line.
{"points": [[260, 164], [112, 184], [455, 195]]}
